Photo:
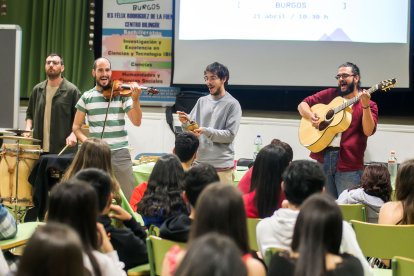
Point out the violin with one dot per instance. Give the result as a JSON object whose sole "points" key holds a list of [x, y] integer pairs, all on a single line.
{"points": [[124, 90]]}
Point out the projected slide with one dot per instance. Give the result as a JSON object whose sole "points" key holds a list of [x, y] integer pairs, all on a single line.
{"points": [[370, 21]]}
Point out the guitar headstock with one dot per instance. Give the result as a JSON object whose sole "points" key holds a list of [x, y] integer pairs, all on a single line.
{"points": [[387, 84], [152, 91]]}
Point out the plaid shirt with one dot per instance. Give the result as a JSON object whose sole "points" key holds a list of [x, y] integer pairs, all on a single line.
{"points": [[8, 226]]}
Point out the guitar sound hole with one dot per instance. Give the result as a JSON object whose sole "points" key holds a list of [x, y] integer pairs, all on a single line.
{"points": [[328, 119]]}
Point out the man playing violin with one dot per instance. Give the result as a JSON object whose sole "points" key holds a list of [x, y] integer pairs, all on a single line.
{"points": [[106, 119], [53, 98], [343, 159]]}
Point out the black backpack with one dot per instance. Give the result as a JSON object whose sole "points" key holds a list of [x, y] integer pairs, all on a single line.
{"points": [[185, 101]]}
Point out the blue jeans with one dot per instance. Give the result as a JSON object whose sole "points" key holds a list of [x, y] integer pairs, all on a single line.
{"points": [[337, 181]]}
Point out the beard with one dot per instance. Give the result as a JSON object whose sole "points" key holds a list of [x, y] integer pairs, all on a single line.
{"points": [[52, 75], [104, 87], [349, 89]]}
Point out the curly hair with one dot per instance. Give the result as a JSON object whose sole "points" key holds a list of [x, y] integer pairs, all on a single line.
{"points": [[165, 185], [376, 181]]}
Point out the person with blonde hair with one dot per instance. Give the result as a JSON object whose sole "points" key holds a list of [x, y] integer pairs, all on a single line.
{"points": [[94, 153]]}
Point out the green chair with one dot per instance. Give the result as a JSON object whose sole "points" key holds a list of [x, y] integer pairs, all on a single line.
{"points": [[125, 205], [269, 254], [353, 212], [141, 270], [157, 248], [24, 232], [402, 266], [251, 232], [384, 241], [154, 230]]}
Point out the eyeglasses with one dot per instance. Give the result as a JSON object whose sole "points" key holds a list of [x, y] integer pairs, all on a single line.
{"points": [[343, 76]]}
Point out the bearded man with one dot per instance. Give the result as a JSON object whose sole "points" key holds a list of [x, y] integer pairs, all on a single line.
{"points": [[55, 98], [343, 159]]}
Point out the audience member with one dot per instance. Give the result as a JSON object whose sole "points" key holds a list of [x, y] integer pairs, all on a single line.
{"points": [[197, 178], [316, 241], [53, 249], [162, 197], [128, 241], [75, 203], [246, 181], [212, 254], [186, 146], [402, 210], [301, 179], [94, 153], [374, 191], [266, 195], [220, 209], [8, 225]]}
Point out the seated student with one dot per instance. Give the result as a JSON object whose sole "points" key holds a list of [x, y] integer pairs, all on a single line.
{"points": [[53, 249], [245, 182], [198, 177], [94, 153], [75, 204], [162, 198], [301, 179], [374, 191], [266, 195], [402, 210], [8, 225], [219, 209], [129, 242], [186, 145], [316, 241], [212, 254]]}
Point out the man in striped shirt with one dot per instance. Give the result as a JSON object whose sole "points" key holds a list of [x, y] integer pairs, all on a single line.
{"points": [[110, 127]]}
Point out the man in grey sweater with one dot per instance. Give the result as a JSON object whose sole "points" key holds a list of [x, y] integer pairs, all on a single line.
{"points": [[218, 117]]}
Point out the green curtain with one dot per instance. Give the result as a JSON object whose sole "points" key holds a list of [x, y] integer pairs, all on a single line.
{"points": [[60, 26]]}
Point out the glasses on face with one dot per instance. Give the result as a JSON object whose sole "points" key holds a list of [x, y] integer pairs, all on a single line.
{"points": [[54, 62], [212, 78], [343, 76]]}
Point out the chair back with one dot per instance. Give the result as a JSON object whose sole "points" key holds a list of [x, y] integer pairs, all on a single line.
{"points": [[384, 241], [251, 233], [402, 266], [353, 212], [269, 254], [157, 248]]}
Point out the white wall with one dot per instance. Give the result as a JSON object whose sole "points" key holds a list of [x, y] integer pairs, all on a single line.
{"points": [[154, 135]]}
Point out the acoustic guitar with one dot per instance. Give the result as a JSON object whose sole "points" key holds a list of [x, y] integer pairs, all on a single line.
{"points": [[335, 118]]}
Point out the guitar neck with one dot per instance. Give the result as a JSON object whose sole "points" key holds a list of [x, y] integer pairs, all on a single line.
{"points": [[354, 99]]}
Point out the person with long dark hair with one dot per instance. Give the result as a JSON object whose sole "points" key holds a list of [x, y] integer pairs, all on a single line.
{"points": [[162, 197], [75, 203], [316, 242], [53, 249], [401, 211], [220, 209], [266, 195], [212, 254]]}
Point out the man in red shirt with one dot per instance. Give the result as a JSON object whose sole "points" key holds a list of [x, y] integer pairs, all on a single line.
{"points": [[343, 159]]}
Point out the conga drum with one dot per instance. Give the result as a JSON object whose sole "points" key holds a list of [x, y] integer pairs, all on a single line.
{"points": [[27, 156]]}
